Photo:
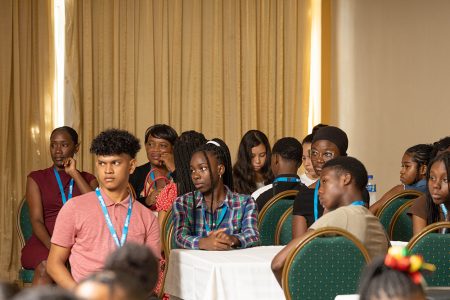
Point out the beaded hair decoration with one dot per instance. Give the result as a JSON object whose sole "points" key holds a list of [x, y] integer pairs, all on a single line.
{"points": [[399, 259]]}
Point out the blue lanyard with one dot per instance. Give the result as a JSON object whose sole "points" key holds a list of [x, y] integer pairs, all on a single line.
{"points": [[109, 222], [444, 210], [286, 179], [61, 188], [316, 200], [358, 203], [222, 215]]}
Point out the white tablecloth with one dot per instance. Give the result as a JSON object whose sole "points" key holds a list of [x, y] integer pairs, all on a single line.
{"points": [[236, 274]]}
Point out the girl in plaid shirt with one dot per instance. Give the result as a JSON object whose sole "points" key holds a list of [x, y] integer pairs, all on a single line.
{"points": [[213, 217]]}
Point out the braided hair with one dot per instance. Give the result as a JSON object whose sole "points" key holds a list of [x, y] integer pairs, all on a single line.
{"points": [[432, 208], [420, 154], [220, 151], [183, 149], [439, 146]]}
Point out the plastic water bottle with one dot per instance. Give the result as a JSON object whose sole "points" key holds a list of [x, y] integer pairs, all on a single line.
{"points": [[372, 189]]}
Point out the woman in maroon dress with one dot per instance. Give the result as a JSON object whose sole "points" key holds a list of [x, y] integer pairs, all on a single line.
{"points": [[46, 192]]}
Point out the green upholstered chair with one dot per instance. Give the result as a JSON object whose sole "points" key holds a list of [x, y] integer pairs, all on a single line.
{"points": [[388, 209], [400, 227], [270, 215], [168, 243], [435, 249], [325, 263], [24, 230], [283, 233]]}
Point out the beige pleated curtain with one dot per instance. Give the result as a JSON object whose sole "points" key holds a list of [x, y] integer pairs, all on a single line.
{"points": [[26, 97], [218, 66]]}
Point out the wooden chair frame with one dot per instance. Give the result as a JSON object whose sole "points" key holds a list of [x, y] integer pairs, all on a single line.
{"points": [[430, 228], [308, 238], [166, 238], [397, 215], [398, 195], [22, 240], [280, 223], [18, 225], [273, 200]]}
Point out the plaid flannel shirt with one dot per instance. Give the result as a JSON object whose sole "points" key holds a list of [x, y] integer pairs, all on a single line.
{"points": [[240, 219]]}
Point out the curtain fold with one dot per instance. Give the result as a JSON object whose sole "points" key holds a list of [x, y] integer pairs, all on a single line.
{"points": [[218, 66], [26, 97]]}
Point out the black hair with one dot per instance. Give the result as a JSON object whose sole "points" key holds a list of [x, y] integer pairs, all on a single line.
{"points": [[138, 262], [347, 164], [308, 139], [317, 127], [115, 280], [432, 208], [289, 148], [183, 148], [46, 292], [440, 145], [243, 174], [162, 131], [381, 282], [8, 290], [115, 141], [222, 154], [73, 134], [420, 154]]}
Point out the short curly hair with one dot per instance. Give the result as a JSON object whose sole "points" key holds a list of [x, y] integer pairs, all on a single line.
{"points": [[115, 141]]}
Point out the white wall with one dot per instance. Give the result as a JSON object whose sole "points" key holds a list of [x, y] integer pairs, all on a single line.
{"points": [[390, 78]]}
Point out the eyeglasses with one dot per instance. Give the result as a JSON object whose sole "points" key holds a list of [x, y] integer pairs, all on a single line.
{"points": [[327, 155]]}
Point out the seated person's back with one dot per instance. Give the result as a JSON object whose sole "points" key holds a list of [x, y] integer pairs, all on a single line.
{"points": [[342, 184], [286, 159]]}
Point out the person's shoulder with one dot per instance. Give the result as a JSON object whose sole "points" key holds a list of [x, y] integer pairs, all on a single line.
{"points": [[36, 174], [142, 210], [87, 175], [234, 195], [86, 200], [239, 200], [262, 190], [140, 171], [145, 168]]}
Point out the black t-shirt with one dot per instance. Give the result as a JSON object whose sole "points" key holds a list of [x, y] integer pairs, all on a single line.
{"points": [[304, 206], [137, 180], [279, 187]]}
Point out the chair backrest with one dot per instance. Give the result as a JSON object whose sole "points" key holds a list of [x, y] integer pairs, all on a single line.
{"points": [[283, 233], [435, 249], [325, 263], [400, 227], [271, 213], [23, 225], [168, 243], [388, 209], [167, 233]]}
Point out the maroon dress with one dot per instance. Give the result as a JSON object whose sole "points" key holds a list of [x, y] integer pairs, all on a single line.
{"points": [[34, 251]]}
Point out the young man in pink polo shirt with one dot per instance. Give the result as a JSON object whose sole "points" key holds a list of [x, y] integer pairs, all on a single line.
{"points": [[91, 226]]}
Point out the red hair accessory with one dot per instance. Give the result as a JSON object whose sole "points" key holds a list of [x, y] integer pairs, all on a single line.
{"points": [[399, 259]]}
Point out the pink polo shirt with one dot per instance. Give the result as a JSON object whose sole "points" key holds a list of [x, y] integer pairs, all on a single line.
{"points": [[81, 226]]}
